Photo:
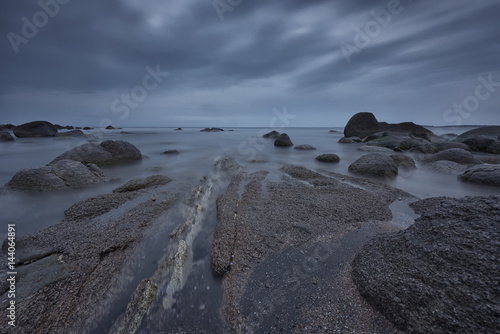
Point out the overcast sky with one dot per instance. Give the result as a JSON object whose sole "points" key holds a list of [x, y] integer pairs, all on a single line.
{"points": [[232, 62]]}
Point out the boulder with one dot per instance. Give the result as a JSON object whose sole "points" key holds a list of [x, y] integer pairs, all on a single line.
{"points": [[364, 124], [107, 153], [494, 148], [478, 142], [7, 127], [305, 147], [283, 140], [492, 132], [482, 174], [272, 134], [380, 149], [361, 125], [328, 158], [88, 128], [451, 144], [178, 129], [441, 274], [64, 174], [456, 155], [110, 127], [71, 133], [403, 161], [350, 140], [6, 136], [35, 129], [391, 142], [375, 164], [212, 130]]}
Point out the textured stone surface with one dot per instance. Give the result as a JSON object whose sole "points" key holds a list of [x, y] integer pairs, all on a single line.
{"points": [[375, 164]]}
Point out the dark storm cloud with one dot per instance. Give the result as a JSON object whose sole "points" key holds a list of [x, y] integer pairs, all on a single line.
{"points": [[264, 53]]}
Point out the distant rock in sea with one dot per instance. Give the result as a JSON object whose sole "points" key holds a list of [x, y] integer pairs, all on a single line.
{"points": [[212, 130], [272, 134], [7, 127], [88, 128], [71, 133], [110, 127], [304, 147], [364, 124], [171, 152], [178, 129], [35, 129], [107, 153], [283, 140]]}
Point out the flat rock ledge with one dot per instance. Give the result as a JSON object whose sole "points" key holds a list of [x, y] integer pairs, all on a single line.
{"points": [[441, 274]]}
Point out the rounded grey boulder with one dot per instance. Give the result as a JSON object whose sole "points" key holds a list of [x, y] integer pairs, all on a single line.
{"points": [[35, 129], [328, 158], [64, 174], [482, 174], [6, 136], [107, 153], [305, 147], [478, 142], [456, 155], [403, 161], [272, 134], [283, 140], [375, 164]]}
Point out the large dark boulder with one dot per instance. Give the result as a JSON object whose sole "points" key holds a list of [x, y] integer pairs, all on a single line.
{"points": [[107, 153], [283, 140], [8, 127], [494, 148], [361, 125], [375, 164], [35, 129], [441, 274], [64, 174], [6, 136], [478, 142], [482, 174], [364, 124], [456, 155], [451, 144]]}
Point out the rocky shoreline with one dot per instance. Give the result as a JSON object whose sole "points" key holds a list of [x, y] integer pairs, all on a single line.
{"points": [[296, 250]]}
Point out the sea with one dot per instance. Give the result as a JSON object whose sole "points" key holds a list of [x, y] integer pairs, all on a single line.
{"points": [[198, 154]]}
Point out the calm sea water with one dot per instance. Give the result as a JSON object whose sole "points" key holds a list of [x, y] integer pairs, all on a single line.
{"points": [[198, 152]]}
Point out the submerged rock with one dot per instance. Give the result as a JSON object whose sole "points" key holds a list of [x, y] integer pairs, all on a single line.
{"points": [[283, 140], [482, 174], [107, 153], [440, 275], [328, 158], [305, 147], [375, 164], [35, 129], [64, 174]]}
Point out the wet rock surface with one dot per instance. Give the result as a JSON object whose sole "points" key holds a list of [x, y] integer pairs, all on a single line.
{"points": [[287, 270], [454, 154], [64, 174], [403, 161], [441, 274], [328, 157], [304, 147], [107, 153], [283, 140], [375, 164], [35, 129], [482, 174]]}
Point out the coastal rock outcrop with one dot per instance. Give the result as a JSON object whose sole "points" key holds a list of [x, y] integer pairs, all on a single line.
{"points": [[494, 148], [364, 124], [478, 142], [375, 164], [440, 275], [456, 155], [6, 136], [107, 153], [212, 130], [35, 129], [283, 140], [64, 174], [329, 157], [482, 174]]}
